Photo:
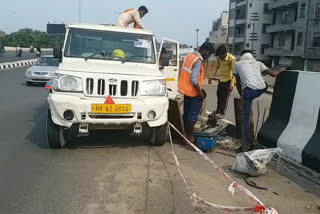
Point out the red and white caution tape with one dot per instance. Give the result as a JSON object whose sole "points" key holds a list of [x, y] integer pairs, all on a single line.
{"points": [[259, 208]]}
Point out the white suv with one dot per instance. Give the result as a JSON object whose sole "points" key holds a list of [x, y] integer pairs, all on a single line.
{"points": [[109, 78]]}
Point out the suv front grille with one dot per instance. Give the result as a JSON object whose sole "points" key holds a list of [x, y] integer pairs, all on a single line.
{"points": [[134, 88], [101, 87], [124, 88], [112, 90], [118, 88], [89, 86]]}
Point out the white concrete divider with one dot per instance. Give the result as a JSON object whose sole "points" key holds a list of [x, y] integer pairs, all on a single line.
{"points": [[13, 49], [16, 64], [9, 49], [294, 120]]}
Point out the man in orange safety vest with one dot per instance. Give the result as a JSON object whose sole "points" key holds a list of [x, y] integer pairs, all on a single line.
{"points": [[190, 84]]}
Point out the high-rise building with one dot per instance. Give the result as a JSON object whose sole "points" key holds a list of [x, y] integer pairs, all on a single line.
{"points": [[295, 34], [219, 33], [248, 20]]}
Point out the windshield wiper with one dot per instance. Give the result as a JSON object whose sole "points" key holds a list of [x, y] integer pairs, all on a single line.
{"points": [[95, 54], [129, 59]]}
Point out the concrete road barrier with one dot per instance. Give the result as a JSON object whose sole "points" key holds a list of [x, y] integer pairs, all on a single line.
{"points": [[13, 49], [294, 120], [22, 63]]}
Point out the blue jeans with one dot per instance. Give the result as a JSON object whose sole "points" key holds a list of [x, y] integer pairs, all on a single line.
{"points": [[192, 107], [248, 95]]}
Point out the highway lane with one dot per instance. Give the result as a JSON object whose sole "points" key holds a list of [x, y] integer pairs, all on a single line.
{"points": [[10, 56], [106, 173]]}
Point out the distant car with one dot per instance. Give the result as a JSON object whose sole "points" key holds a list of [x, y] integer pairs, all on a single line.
{"points": [[42, 71]]}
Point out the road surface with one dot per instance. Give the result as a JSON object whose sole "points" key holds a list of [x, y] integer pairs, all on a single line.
{"points": [[110, 172]]}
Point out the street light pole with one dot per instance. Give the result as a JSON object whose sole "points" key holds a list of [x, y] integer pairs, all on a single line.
{"points": [[79, 11], [197, 30]]}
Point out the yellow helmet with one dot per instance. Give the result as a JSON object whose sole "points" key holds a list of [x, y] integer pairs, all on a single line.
{"points": [[119, 53]]}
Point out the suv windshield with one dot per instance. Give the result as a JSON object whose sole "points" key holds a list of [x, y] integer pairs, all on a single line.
{"points": [[48, 61], [108, 45]]}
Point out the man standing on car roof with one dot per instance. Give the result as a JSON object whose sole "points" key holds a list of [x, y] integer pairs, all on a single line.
{"points": [[131, 16], [190, 84]]}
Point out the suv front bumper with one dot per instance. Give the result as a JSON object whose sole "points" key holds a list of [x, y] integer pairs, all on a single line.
{"points": [[81, 107]]}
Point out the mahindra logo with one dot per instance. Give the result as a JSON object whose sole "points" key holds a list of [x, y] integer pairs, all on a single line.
{"points": [[112, 80]]}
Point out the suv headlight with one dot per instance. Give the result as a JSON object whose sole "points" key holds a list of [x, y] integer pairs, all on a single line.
{"points": [[153, 88], [67, 83]]}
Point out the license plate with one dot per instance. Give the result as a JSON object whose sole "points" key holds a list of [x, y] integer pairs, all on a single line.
{"points": [[111, 108]]}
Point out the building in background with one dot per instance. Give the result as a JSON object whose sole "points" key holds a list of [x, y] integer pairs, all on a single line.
{"points": [[219, 33], [248, 20], [295, 34]]}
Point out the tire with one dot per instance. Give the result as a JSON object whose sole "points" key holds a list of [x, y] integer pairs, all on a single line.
{"points": [[55, 134], [29, 83], [160, 135]]}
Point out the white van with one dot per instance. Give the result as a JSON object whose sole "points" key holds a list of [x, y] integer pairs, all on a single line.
{"points": [[110, 78]]}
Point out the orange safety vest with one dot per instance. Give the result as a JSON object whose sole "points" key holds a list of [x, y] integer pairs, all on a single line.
{"points": [[136, 26], [185, 85]]}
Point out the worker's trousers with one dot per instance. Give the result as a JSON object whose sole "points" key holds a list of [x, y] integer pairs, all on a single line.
{"points": [[248, 95], [223, 93]]}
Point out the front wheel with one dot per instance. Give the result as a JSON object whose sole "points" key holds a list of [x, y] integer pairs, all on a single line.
{"points": [[55, 134], [160, 135]]}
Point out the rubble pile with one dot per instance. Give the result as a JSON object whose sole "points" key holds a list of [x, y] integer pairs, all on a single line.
{"points": [[228, 143]]}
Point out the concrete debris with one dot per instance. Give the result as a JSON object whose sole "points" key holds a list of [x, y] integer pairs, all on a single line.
{"points": [[228, 143], [199, 210]]}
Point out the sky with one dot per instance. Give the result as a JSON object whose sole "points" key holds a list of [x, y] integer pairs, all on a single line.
{"points": [[174, 19]]}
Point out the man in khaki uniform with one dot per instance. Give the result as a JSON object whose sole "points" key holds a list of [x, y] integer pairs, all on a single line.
{"points": [[132, 16]]}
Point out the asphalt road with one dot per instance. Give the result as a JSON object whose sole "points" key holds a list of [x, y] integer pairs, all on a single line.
{"points": [[10, 56], [106, 173], [110, 172]]}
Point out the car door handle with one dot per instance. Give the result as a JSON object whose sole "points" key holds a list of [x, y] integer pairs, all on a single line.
{"points": [[175, 69]]}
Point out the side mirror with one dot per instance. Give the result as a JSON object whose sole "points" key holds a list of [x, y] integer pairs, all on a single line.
{"points": [[165, 60], [57, 53]]}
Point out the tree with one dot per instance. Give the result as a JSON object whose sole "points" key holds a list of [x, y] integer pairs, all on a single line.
{"points": [[2, 34], [28, 37]]}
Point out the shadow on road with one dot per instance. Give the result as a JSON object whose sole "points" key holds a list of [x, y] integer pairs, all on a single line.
{"points": [[107, 139], [39, 85], [37, 135], [97, 139]]}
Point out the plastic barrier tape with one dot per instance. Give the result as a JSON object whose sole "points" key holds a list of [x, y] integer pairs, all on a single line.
{"points": [[259, 208]]}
